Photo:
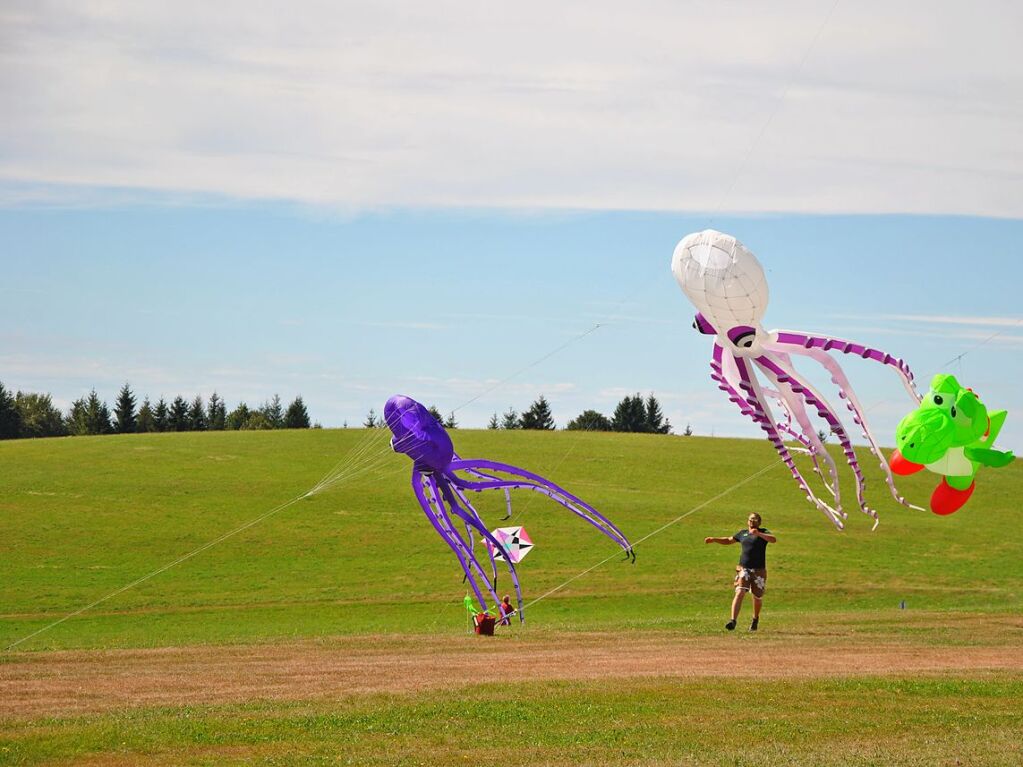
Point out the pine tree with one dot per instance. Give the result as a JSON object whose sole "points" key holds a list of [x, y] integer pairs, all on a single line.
{"points": [[688, 432], [629, 415], [257, 421], [432, 410], [238, 417], [177, 417], [197, 415], [538, 416], [493, 423], [161, 415], [94, 416], [124, 411], [146, 422], [371, 420], [274, 412], [656, 423], [451, 423], [10, 417], [74, 421], [510, 419], [297, 416], [590, 420], [216, 413], [39, 418]]}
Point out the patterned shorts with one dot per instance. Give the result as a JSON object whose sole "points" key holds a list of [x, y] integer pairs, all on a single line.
{"points": [[753, 581]]}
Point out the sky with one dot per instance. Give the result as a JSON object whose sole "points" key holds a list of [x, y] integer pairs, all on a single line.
{"points": [[475, 204]]}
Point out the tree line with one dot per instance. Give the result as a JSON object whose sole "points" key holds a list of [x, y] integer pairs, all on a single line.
{"points": [[26, 414], [632, 414]]}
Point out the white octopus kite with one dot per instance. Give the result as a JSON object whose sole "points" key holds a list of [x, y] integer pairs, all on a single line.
{"points": [[726, 284]]}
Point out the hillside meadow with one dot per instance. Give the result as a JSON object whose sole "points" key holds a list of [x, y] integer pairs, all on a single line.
{"points": [[358, 566]]}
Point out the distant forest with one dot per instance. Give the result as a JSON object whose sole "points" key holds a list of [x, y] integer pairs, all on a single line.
{"points": [[24, 415], [632, 414]]}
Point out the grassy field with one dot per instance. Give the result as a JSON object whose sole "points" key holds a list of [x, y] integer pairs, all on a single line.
{"points": [[81, 518]]}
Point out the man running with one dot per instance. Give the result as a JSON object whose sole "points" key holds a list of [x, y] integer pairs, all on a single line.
{"points": [[751, 572]]}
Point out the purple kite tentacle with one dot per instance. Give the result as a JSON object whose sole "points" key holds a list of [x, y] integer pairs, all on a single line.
{"points": [[490, 551], [432, 514], [827, 343], [535, 482], [466, 556], [724, 384], [797, 435], [471, 517], [790, 377], [749, 385], [794, 404], [483, 475], [847, 393], [507, 492]]}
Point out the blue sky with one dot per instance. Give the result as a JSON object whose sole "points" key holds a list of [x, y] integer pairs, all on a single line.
{"points": [[262, 299], [357, 201]]}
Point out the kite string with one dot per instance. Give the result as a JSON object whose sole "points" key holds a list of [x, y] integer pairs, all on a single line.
{"points": [[661, 529], [156, 572], [341, 476], [725, 195], [959, 357], [349, 467], [770, 117]]}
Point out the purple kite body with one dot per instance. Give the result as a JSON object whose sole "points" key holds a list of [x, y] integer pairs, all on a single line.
{"points": [[726, 284], [442, 493]]}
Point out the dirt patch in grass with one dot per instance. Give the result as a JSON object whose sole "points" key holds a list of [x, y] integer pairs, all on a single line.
{"points": [[67, 683]]}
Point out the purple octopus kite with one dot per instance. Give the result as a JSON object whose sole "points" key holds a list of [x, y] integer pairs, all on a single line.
{"points": [[441, 492], [726, 284]]}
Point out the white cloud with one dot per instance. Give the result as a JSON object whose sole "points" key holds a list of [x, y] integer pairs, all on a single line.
{"points": [[941, 319], [652, 105]]}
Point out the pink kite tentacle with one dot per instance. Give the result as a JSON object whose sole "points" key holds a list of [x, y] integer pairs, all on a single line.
{"points": [[827, 343], [725, 374], [794, 404], [787, 375], [847, 393], [429, 499], [762, 415], [718, 375]]}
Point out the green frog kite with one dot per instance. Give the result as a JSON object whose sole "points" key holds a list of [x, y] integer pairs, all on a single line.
{"points": [[952, 434]]}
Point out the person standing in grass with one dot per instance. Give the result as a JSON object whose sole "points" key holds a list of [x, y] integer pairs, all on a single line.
{"points": [[751, 572], [506, 610]]}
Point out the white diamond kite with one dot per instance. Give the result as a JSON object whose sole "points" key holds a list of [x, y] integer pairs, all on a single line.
{"points": [[515, 542]]}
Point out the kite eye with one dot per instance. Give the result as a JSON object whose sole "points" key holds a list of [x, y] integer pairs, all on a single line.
{"points": [[937, 399], [743, 338], [953, 411]]}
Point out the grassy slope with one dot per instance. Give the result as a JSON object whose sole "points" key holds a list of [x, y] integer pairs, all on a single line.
{"points": [[80, 518]]}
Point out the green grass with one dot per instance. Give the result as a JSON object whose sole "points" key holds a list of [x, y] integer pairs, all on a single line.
{"points": [[652, 722], [81, 518]]}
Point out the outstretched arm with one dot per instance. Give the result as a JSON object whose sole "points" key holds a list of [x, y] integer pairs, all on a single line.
{"points": [[761, 534], [722, 541]]}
